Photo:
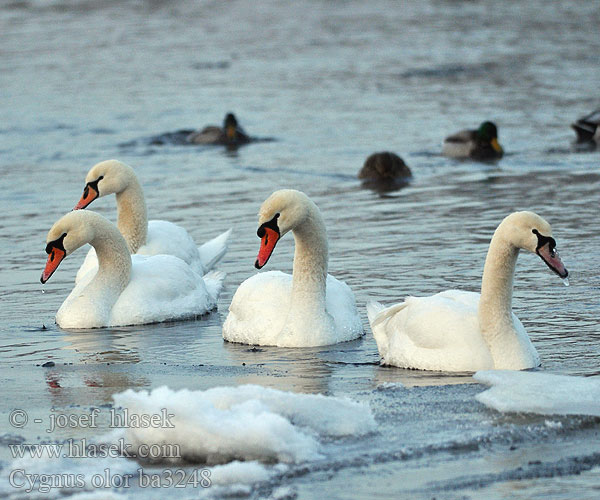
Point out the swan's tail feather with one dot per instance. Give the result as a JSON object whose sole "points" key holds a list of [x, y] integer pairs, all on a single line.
{"points": [[213, 251], [373, 309], [378, 313], [214, 283]]}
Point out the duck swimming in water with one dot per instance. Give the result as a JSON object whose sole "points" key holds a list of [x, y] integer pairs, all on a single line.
{"points": [[384, 166], [480, 144], [588, 128], [231, 134]]}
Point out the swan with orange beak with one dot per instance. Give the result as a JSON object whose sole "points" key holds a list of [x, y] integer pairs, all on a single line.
{"points": [[307, 308], [144, 237]]}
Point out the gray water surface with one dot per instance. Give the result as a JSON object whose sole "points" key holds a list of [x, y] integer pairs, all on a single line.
{"points": [[332, 82]]}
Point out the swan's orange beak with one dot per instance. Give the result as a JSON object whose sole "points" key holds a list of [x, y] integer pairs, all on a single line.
{"points": [[55, 257], [552, 259], [90, 193], [267, 245]]}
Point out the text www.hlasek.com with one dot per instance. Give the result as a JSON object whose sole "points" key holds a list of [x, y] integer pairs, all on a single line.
{"points": [[43, 483], [82, 449]]}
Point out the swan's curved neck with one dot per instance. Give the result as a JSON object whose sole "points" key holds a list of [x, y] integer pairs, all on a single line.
{"points": [[132, 218], [495, 304], [114, 261], [310, 263]]}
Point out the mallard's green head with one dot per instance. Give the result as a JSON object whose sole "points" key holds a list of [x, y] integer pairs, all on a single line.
{"points": [[230, 126], [488, 134]]}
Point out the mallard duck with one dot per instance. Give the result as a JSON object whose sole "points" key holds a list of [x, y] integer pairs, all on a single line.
{"points": [[480, 144], [230, 135], [588, 128], [384, 167]]}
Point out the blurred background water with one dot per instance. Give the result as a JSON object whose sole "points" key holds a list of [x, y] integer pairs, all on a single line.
{"points": [[332, 82]]}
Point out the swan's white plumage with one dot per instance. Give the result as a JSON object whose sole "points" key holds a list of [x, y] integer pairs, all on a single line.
{"points": [[308, 308], [170, 239], [258, 313], [466, 331], [129, 289], [161, 288], [166, 238], [155, 237], [440, 332]]}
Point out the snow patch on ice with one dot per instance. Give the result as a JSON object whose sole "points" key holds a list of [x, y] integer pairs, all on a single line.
{"points": [[538, 392], [246, 423]]}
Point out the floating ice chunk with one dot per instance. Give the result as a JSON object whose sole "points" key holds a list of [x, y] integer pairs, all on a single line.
{"points": [[390, 386], [537, 392], [243, 423], [244, 473], [284, 493]]}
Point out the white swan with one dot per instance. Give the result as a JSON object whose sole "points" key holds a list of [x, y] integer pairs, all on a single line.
{"points": [[126, 289], [309, 308], [144, 237], [466, 331]]}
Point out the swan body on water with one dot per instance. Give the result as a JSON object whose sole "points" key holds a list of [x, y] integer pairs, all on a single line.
{"points": [[125, 289], [144, 237], [458, 331], [308, 308]]}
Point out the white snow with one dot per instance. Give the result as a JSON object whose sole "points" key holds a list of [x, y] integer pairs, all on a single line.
{"points": [[538, 392], [246, 423]]}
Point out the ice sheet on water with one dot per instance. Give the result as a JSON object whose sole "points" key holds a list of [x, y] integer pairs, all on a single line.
{"points": [[538, 392]]}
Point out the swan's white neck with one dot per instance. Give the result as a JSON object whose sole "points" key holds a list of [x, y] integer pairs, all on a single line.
{"points": [[495, 304], [310, 264], [114, 262], [132, 218]]}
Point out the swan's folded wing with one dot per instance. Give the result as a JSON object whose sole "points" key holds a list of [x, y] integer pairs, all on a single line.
{"points": [[379, 315], [170, 239], [440, 332], [162, 288], [447, 320], [258, 309]]}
